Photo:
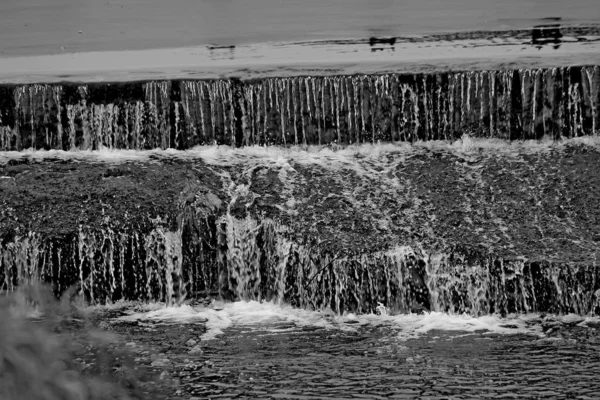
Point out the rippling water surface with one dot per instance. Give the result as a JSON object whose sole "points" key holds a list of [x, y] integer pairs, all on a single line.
{"points": [[252, 349], [35, 26]]}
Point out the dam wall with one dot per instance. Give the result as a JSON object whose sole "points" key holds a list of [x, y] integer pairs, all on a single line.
{"points": [[508, 104]]}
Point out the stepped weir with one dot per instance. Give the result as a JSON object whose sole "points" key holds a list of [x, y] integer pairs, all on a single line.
{"points": [[479, 226], [180, 114]]}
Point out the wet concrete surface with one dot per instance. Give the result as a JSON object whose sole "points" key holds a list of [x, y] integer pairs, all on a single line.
{"points": [[285, 361]]}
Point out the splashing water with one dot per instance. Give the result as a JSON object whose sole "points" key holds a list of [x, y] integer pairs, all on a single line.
{"points": [[251, 255], [270, 317]]}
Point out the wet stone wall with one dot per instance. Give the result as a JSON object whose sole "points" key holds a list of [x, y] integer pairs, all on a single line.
{"points": [[254, 260], [180, 114]]}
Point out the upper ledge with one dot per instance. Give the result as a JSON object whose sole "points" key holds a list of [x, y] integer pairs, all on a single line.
{"points": [[289, 59]]}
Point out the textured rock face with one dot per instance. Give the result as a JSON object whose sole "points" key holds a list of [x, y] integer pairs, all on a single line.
{"points": [[511, 104], [484, 230]]}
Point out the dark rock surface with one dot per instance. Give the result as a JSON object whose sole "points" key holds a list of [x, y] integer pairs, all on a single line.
{"points": [[505, 229]]}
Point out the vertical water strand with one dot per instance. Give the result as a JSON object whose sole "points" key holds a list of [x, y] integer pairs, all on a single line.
{"points": [[362, 109], [469, 76], [177, 124], [493, 104], [570, 118], [386, 105], [213, 113], [508, 106], [282, 104], [427, 108], [110, 133], [222, 90], [46, 120], [256, 101], [317, 88], [372, 106], [592, 94], [188, 124], [524, 101], [165, 126], [451, 100], [534, 104], [232, 118], [415, 112], [150, 102], [185, 107], [324, 114], [439, 128], [456, 105], [71, 112], [294, 105], [476, 107], [31, 106], [547, 101], [595, 90], [249, 114], [348, 105], [483, 98], [559, 103], [219, 113], [574, 102], [386, 108], [334, 107], [288, 98], [432, 123], [139, 114], [256, 127], [401, 112], [203, 137], [281, 108], [336, 96], [376, 111], [308, 126], [272, 88], [579, 109], [59, 128], [393, 95], [301, 99], [462, 96], [265, 93]]}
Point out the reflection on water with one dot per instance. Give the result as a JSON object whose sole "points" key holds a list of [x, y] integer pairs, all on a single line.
{"points": [[34, 26], [546, 34]]}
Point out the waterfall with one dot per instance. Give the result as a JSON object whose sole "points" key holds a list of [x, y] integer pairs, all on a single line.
{"points": [[488, 227], [255, 261], [511, 104]]}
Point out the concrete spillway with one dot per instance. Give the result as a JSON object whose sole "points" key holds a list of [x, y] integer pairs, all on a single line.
{"points": [[181, 114]]}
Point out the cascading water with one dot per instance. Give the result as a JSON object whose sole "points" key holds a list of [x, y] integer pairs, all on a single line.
{"points": [[511, 104], [485, 227]]}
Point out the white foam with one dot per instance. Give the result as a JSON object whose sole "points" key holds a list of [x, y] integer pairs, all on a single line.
{"points": [[219, 316], [351, 156], [266, 316]]}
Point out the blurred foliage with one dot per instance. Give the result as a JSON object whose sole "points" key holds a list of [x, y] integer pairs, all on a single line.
{"points": [[51, 350]]}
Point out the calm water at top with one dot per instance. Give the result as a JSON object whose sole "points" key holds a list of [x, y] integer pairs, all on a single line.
{"points": [[42, 26]]}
